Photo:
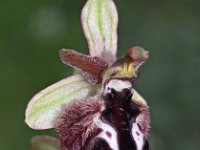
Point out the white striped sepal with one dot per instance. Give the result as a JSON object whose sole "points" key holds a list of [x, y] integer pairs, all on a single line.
{"points": [[44, 108], [99, 21]]}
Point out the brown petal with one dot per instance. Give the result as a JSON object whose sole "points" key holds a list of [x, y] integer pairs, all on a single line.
{"points": [[91, 67]]}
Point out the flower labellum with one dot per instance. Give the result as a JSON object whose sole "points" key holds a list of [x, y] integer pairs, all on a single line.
{"points": [[97, 109]]}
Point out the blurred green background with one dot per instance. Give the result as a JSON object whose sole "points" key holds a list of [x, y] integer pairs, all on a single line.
{"points": [[32, 32]]}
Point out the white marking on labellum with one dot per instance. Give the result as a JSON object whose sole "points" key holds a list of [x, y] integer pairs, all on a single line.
{"points": [[121, 109], [138, 136], [108, 133], [117, 85]]}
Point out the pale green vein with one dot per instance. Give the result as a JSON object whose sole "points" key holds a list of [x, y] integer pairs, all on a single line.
{"points": [[89, 30], [56, 102], [100, 17], [59, 87], [111, 28]]}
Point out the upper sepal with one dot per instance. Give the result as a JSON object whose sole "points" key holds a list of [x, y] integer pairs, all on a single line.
{"points": [[99, 21]]}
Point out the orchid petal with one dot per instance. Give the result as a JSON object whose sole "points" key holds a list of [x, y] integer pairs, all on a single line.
{"points": [[91, 67], [45, 143], [44, 107], [99, 20]]}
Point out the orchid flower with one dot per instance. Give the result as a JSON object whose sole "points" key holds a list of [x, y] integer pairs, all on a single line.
{"points": [[98, 108]]}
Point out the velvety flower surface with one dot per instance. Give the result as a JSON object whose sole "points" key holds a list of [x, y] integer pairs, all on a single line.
{"points": [[76, 104]]}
